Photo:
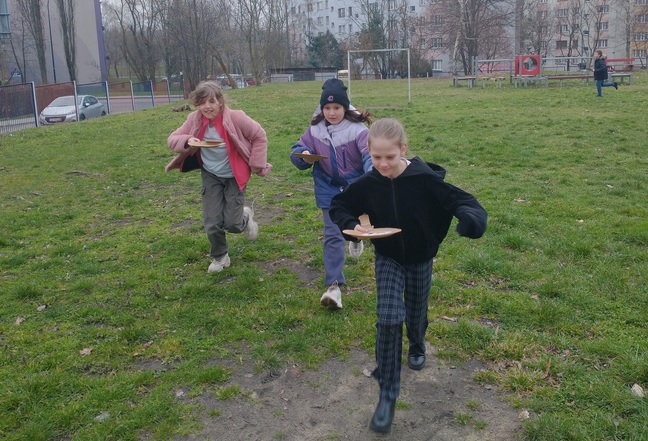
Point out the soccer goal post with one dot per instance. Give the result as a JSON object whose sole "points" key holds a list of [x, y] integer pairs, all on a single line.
{"points": [[369, 51]]}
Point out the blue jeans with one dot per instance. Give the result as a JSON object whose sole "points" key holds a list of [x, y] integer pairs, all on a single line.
{"points": [[602, 83], [333, 251]]}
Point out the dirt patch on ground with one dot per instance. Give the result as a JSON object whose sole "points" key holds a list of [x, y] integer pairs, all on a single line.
{"points": [[336, 402], [441, 402]]}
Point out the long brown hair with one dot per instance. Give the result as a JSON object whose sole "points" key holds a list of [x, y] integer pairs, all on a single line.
{"points": [[352, 115]]}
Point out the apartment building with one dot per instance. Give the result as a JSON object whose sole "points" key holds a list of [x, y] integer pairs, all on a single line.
{"points": [[90, 52], [345, 20], [551, 28]]}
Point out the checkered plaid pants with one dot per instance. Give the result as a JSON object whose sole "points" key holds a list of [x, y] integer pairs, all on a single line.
{"points": [[403, 293]]}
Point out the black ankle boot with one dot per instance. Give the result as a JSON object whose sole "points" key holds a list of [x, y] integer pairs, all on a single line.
{"points": [[383, 416], [616, 85]]}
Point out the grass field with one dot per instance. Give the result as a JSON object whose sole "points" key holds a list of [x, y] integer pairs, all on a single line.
{"points": [[103, 261]]}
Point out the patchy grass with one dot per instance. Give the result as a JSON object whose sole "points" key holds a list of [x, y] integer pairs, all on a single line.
{"points": [[106, 309]]}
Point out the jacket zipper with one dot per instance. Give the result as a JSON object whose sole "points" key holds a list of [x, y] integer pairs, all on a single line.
{"points": [[394, 205]]}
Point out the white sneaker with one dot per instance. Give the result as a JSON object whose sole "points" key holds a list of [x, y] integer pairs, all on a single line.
{"points": [[356, 248], [217, 265], [332, 297], [252, 228]]}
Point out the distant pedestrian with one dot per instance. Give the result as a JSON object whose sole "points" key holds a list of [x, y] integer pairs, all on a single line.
{"points": [[337, 132], [225, 169], [410, 195], [601, 73]]}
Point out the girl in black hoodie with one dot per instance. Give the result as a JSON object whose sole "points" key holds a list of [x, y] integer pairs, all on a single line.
{"points": [[410, 195]]}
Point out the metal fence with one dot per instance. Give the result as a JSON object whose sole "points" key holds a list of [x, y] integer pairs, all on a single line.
{"points": [[20, 104]]}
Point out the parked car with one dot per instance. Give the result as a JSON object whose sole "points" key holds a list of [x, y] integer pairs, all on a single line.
{"points": [[62, 109]]}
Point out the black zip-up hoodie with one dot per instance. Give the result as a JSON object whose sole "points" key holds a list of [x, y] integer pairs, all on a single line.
{"points": [[418, 201]]}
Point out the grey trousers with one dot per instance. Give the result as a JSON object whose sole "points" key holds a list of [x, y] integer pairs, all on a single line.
{"points": [[222, 210]]}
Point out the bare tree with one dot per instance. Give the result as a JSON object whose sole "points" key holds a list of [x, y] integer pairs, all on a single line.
{"points": [[20, 53], [68, 30], [470, 23], [139, 22], [30, 12], [195, 31], [277, 41]]}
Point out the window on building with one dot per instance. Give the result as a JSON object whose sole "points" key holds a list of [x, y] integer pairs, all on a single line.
{"points": [[320, 21], [341, 29], [542, 14], [543, 1], [642, 2], [564, 29], [563, 12], [309, 7], [350, 11], [544, 45], [602, 26], [350, 28], [561, 44], [412, 8], [641, 36], [603, 9], [601, 44], [641, 18], [341, 12], [292, 10], [319, 6], [437, 65], [436, 42], [5, 33], [639, 53]]}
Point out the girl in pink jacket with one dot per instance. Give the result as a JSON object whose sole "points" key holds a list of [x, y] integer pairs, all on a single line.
{"points": [[225, 169]]}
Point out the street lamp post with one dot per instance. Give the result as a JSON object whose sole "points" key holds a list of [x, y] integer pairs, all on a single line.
{"points": [[49, 22]]}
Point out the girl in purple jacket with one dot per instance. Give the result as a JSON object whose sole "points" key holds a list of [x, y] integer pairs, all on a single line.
{"points": [[337, 132]]}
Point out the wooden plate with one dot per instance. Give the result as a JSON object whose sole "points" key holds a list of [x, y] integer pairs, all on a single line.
{"points": [[376, 233], [313, 157], [207, 144]]}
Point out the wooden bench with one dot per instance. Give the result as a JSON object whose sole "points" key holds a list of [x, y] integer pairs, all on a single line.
{"points": [[620, 64], [498, 81], [584, 78], [622, 76], [470, 79]]}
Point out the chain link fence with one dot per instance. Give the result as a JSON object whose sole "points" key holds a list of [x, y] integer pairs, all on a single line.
{"points": [[20, 104]]}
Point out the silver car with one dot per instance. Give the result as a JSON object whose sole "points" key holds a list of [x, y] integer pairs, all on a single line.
{"points": [[62, 109]]}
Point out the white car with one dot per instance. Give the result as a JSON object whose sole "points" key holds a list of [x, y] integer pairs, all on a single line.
{"points": [[62, 109]]}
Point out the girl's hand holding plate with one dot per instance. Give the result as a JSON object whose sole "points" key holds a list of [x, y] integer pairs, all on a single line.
{"points": [[306, 159]]}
